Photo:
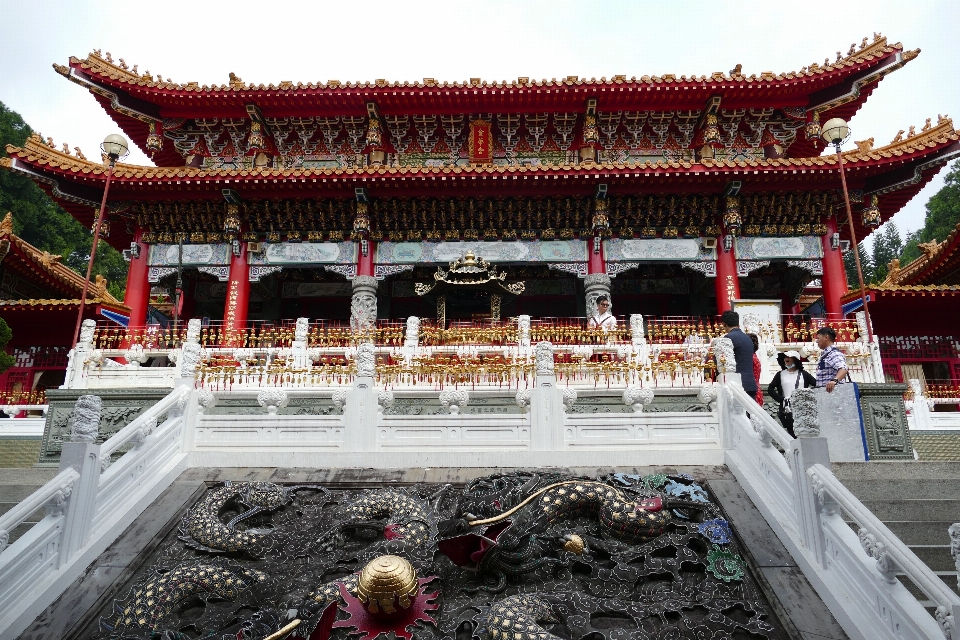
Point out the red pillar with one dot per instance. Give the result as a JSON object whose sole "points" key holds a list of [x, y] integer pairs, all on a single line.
{"points": [[365, 262], [238, 293], [595, 261], [728, 283], [834, 277], [137, 294]]}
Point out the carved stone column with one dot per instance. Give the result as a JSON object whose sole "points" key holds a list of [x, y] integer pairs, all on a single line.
{"points": [[596, 285], [363, 307]]}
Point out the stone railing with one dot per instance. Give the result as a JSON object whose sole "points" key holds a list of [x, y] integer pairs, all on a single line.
{"points": [[22, 421], [793, 487], [415, 362], [89, 503], [922, 417]]}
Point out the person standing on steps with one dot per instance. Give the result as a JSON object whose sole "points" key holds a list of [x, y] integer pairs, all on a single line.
{"points": [[742, 350], [758, 396], [790, 378], [832, 366]]}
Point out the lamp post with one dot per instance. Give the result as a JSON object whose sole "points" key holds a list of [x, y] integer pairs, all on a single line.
{"points": [[116, 147], [836, 131]]}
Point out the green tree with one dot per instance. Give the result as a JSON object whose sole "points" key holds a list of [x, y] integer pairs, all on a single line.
{"points": [[943, 214], [6, 360], [866, 263], [887, 245], [41, 222]]}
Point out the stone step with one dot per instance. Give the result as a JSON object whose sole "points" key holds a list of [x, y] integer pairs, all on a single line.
{"points": [[22, 528], [936, 557], [904, 489], [38, 477], [919, 533], [916, 510], [949, 579], [906, 469], [17, 492]]}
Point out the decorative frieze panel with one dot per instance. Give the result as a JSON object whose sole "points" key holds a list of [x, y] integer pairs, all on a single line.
{"points": [[193, 254], [745, 267], [382, 271], [577, 268], [707, 268], [498, 252], [222, 273], [305, 253], [119, 407], [657, 249], [815, 267], [156, 274], [257, 272], [794, 248], [885, 421]]}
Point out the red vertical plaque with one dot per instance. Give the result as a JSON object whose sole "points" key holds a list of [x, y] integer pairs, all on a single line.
{"points": [[481, 145]]}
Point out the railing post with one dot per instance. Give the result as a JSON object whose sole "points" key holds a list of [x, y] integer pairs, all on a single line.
{"points": [[299, 345], [546, 403], [78, 356], [808, 449], [728, 409], [921, 411], [84, 456], [360, 412]]}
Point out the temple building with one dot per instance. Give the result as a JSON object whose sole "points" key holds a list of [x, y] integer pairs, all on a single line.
{"points": [[674, 196], [915, 311], [39, 300]]}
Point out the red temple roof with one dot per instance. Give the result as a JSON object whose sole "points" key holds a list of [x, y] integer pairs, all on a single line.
{"points": [[895, 172], [137, 100], [49, 281]]}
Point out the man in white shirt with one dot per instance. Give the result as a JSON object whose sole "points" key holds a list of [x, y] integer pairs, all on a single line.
{"points": [[603, 319]]}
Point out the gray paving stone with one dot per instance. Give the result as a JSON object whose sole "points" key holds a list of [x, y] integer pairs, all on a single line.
{"points": [[806, 610], [912, 532]]}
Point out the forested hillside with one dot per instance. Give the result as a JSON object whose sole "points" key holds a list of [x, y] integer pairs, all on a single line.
{"points": [[39, 221]]}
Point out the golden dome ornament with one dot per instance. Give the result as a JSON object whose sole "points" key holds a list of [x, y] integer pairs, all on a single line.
{"points": [[386, 584]]}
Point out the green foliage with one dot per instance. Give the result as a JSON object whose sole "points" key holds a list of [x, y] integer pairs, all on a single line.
{"points": [[943, 214], [866, 263], [6, 360], [41, 222], [887, 245]]}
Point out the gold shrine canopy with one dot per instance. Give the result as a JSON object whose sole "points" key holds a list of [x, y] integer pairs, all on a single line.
{"points": [[469, 273]]}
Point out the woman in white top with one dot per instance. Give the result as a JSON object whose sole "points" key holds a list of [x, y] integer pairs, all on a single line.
{"points": [[603, 319], [790, 378]]}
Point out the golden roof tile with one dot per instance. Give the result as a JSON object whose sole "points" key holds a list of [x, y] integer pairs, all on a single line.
{"points": [[104, 65]]}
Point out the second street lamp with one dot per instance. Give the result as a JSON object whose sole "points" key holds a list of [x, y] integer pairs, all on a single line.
{"points": [[836, 131]]}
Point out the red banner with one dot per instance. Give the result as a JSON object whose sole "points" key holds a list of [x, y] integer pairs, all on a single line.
{"points": [[481, 144]]}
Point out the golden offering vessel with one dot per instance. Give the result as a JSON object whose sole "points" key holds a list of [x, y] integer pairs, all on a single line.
{"points": [[387, 582]]}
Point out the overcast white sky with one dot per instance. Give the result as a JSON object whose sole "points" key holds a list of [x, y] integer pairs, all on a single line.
{"points": [[496, 40]]}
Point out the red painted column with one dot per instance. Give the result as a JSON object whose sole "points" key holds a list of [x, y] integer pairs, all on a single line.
{"points": [[238, 292], [834, 277], [595, 261], [365, 262], [137, 294], [728, 283]]}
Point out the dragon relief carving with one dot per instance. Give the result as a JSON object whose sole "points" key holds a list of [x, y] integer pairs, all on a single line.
{"points": [[535, 556]]}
